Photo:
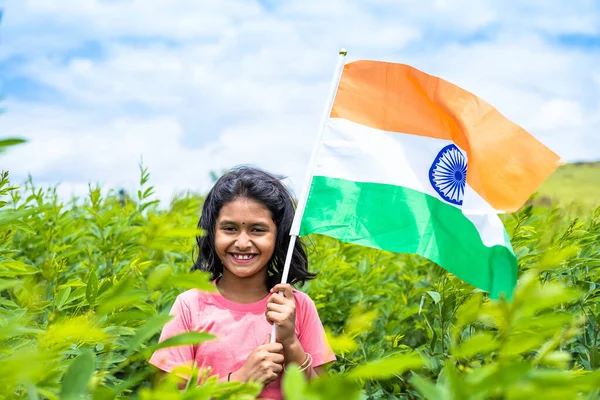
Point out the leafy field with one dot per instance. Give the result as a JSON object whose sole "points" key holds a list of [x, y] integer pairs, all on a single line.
{"points": [[86, 286], [576, 183]]}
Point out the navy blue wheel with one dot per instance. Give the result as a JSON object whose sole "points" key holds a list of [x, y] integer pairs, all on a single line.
{"points": [[448, 174]]}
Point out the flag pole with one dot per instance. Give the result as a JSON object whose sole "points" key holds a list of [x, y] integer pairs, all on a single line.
{"points": [[295, 230]]}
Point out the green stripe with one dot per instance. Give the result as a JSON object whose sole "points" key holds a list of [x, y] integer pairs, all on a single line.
{"points": [[403, 220]]}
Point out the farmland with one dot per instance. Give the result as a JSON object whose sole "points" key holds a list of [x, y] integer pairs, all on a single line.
{"points": [[576, 183], [87, 283]]}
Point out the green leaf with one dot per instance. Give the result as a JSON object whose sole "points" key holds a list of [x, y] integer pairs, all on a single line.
{"points": [[6, 143], [469, 310], [453, 382], [435, 296], [148, 192], [125, 317], [119, 331], [9, 283], [12, 268], [546, 296], [11, 142], [181, 232], [61, 297], [32, 393], [483, 379], [159, 276], [548, 322], [91, 292], [183, 339], [75, 283], [104, 393], [192, 280], [8, 217], [123, 294], [388, 367], [333, 387], [148, 204], [480, 343], [557, 359], [554, 258], [427, 389], [111, 358], [341, 344], [125, 299], [24, 226], [75, 380], [361, 321], [293, 383], [146, 331], [520, 343]]}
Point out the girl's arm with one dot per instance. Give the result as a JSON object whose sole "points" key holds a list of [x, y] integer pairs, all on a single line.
{"points": [[296, 354], [281, 311]]}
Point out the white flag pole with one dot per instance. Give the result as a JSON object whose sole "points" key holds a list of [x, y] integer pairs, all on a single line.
{"points": [[295, 230]]}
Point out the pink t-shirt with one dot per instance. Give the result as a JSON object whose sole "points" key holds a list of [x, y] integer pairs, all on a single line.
{"points": [[239, 328]]}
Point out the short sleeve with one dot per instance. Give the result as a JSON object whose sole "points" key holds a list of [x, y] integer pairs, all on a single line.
{"points": [[171, 357], [311, 333]]}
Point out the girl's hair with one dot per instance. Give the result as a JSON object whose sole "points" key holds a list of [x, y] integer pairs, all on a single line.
{"points": [[263, 187]]}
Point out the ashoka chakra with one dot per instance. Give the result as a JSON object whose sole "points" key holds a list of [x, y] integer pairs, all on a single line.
{"points": [[448, 174]]}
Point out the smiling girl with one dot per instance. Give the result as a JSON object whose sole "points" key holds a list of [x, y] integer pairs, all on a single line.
{"points": [[247, 218]]}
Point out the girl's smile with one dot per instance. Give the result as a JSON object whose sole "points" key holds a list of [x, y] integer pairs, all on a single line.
{"points": [[242, 258], [245, 238]]}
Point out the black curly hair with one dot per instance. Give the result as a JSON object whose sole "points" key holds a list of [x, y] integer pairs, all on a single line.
{"points": [[255, 184]]}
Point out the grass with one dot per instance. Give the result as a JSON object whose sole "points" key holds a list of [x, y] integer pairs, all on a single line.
{"points": [[573, 183]]}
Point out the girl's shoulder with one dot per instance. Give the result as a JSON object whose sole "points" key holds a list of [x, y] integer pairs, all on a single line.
{"points": [[302, 297], [307, 314], [194, 294], [194, 298], [304, 304]]}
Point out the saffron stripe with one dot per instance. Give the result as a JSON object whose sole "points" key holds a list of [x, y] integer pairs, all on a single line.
{"points": [[507, 164]]}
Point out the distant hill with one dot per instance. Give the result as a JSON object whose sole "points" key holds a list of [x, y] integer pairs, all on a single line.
{"points": [[573, 183]]}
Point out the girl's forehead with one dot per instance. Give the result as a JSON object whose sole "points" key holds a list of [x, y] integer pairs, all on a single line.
{"points": [[245, 208]]}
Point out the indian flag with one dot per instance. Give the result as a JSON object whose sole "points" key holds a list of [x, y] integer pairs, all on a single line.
{"points": [[411, 163]]}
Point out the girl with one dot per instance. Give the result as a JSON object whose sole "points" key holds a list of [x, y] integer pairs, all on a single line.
{"points": [[247, 218]]}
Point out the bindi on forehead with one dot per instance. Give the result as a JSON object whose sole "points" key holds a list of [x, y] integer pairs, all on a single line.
{"points": [[243, 224]]}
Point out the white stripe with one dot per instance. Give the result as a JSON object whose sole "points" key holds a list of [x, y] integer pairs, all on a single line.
{"points": [[359, 153]]}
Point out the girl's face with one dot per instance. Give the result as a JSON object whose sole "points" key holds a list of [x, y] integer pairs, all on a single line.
{"points": [[245, 237]]}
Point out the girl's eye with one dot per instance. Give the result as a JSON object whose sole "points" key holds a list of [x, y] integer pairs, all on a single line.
{"points": [[228, 228]]}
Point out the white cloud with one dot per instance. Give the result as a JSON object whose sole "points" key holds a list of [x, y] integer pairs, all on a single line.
{"points": [[83, 150], [178, 19], [200, 86], [545, 89], [559, 114]]}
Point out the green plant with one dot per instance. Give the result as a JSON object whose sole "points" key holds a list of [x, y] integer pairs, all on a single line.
{"points": [[87, 285]]}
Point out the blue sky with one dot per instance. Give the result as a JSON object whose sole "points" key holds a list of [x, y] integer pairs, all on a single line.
{"points": [[198, 86]]}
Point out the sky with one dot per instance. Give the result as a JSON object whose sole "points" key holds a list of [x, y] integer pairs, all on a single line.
{"points": [[191, 87]]}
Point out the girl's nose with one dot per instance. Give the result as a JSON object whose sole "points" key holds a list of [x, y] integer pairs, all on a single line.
{"points": [[243, 241]]}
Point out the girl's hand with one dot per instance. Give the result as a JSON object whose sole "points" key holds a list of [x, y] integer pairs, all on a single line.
{"points": [[263, 365], [281, 311]]}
